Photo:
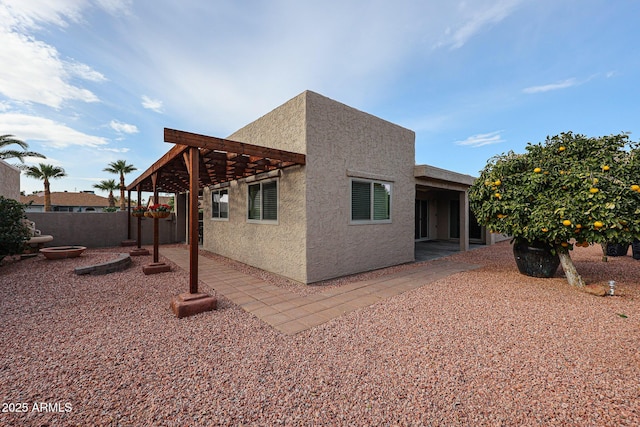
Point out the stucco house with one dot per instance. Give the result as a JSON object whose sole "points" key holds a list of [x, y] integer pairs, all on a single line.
{"points": [[359, 203], [9, 181], [352, 201]]}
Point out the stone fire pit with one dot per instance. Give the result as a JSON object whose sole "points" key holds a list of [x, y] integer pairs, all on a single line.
{"points": [[61, 252]]}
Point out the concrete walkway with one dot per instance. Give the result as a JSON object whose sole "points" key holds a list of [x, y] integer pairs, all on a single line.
{"points": [[291, 313]]}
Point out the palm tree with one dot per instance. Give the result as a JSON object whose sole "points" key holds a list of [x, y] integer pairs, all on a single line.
{"points": [[44, 172], [108, 185], [6, 140], [120, 167]]}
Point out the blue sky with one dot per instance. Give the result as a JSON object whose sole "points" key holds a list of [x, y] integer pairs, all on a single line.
{"points": [[88, 82]]}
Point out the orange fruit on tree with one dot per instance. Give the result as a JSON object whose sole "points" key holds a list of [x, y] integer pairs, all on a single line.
{"points": [[497, 183], [545, 229], [564, 244], [605, 168], [566, 222], [562, 148], [537, 170], [635, 187], [598, 224], [593, 190], [498, 196]]}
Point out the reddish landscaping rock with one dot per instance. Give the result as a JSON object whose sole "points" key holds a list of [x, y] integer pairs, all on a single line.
{"points": [[128, 243], [597, 290], [188, 304]]}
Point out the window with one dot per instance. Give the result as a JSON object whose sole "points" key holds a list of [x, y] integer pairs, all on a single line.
{"points": [[263, 201], [220, 204], [370, 201]]}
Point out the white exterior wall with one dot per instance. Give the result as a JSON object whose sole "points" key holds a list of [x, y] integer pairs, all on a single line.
{"points": [[314, 239], [344, 143], [9, 181]]}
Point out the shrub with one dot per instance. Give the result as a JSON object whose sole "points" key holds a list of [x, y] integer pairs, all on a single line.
{"points": [[13, 231]]}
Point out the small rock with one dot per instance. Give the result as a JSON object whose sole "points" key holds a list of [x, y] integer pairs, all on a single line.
{"points": [[597, 290]]}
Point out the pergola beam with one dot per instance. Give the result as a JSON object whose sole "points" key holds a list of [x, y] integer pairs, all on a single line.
{"points": [[159, 164], [219, 144]]}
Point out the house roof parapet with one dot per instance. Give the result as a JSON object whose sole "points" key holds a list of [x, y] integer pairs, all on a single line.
{"points": [[443, 178]]}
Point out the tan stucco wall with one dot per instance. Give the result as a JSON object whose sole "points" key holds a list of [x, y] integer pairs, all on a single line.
{"points": [[277, 248], [314, 239], [9, 181], [342, 143]]}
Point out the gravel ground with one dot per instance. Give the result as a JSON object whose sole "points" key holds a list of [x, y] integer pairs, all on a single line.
{"points": [[484, 347]]}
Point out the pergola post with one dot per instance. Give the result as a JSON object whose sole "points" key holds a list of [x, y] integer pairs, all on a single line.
{"points": [[129, 215], [156, 266], [193, 302], [194, 173], [128, 241], [138, 250], [156, 231]]}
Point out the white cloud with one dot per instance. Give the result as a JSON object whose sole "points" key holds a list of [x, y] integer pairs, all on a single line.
{"points": [[115, 150], [38, 160], [121, 127], [31, 14], [116, 7], [470, 20], [553, 86], [482, 139], [48, 132], [152, 104], [38, 73], [85, 72]]}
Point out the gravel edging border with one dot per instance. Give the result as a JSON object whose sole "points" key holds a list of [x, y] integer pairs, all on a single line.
{"points": [[122, 262]]}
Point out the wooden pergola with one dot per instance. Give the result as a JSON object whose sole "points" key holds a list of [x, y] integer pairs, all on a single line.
{"points": [[196, 161]]}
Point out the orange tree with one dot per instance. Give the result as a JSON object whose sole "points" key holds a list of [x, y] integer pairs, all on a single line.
{"points": [[569, 191]]}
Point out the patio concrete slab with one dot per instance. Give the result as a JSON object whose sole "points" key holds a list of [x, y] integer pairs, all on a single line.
{"points": [[291, 313]]}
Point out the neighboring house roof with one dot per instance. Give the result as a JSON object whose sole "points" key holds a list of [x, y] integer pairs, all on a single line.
{"points": [[68, 199]]}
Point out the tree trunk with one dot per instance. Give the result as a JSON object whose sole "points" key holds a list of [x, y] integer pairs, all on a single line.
{"points": [[112, 200], [122, 187], [604, 252], [47, 196], [570, 271]]}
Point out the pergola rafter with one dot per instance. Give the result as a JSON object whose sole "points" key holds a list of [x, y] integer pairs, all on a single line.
{"points": [[221, 160]]}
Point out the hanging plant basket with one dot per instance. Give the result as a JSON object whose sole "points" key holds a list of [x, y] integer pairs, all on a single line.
{"points": [[161, 214], [535, 260]]}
